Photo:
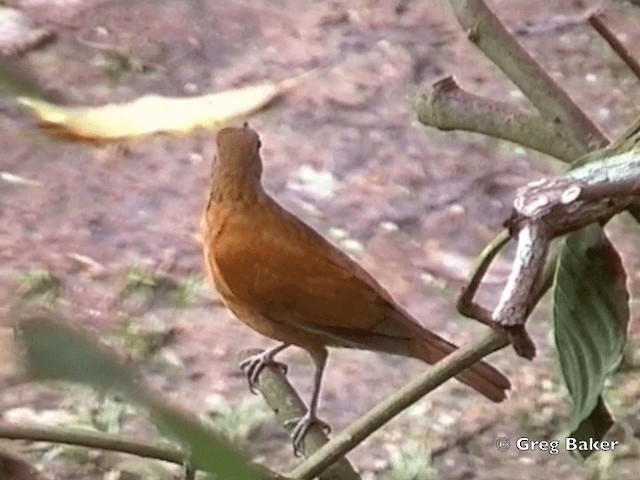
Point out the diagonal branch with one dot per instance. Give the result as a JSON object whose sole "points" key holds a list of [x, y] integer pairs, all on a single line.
{"points": [[287, 405], [490, 35], [449, 107], [359, 430], [597, 22]]}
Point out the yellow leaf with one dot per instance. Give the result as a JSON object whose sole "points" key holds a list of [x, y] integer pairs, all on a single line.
{"points": [[18, 180], [154, 113]]}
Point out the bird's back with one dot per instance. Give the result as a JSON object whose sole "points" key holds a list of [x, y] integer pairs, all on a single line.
{"points": [[267, 258]]}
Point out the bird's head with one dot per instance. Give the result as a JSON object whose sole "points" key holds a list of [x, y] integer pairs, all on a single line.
{"points": [[239, 153]]}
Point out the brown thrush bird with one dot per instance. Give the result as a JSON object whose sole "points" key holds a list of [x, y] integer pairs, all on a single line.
{"points": [[284, 280]]}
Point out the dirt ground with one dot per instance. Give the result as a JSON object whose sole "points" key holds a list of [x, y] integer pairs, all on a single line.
{"points": [[342, 151]]}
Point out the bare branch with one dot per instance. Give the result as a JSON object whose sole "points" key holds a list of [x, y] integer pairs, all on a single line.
{"points": [[597, 22], [84, 438], [449, 107], [287, 406], [553, 103]]}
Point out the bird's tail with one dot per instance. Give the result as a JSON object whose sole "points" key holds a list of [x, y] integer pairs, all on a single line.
{"points": [[481, 376]]}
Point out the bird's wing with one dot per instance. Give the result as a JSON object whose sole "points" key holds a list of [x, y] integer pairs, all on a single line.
{"points": [[291, 274]]}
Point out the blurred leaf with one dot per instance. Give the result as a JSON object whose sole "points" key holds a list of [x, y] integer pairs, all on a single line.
{"points": [[591, 313], [59, 352], [154, 113], [18, 180], [208, 451]]}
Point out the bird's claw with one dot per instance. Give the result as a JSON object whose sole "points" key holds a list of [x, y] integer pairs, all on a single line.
{"points": [[254, 365], [302, 427]]}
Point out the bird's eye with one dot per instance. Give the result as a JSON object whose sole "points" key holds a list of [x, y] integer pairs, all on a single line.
{"points": [[259, 145]]}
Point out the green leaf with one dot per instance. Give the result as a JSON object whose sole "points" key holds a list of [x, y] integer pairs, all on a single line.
{"points": [[591, 313], [599, 420], [59, 352]]}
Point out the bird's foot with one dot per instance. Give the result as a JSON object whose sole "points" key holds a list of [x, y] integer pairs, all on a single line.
{"points": [[254, 365], [302, 427]]}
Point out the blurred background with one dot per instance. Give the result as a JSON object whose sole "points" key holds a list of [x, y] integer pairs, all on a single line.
{"points": [[110, 231]]}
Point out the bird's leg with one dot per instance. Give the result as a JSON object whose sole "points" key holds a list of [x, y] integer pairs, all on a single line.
{"points": [[310, 418], [254, 365]]}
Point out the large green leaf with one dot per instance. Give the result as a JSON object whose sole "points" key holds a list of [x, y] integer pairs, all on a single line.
{"points": [[59, 352], [591, 313]]}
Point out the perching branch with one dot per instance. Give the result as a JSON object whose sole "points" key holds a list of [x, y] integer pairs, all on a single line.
{"points": [[449, 107], [287, 405], [359, 430], [490, 35], [546, 209]]}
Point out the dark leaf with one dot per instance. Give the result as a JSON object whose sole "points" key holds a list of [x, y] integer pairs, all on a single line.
{"points": [[598, 421], [591, 313]]}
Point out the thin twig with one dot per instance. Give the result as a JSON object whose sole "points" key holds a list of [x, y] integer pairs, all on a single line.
{"points": [[83, 438], [597, 22], [466, 305], [491, 36], [359, 430], [449, 107]]}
